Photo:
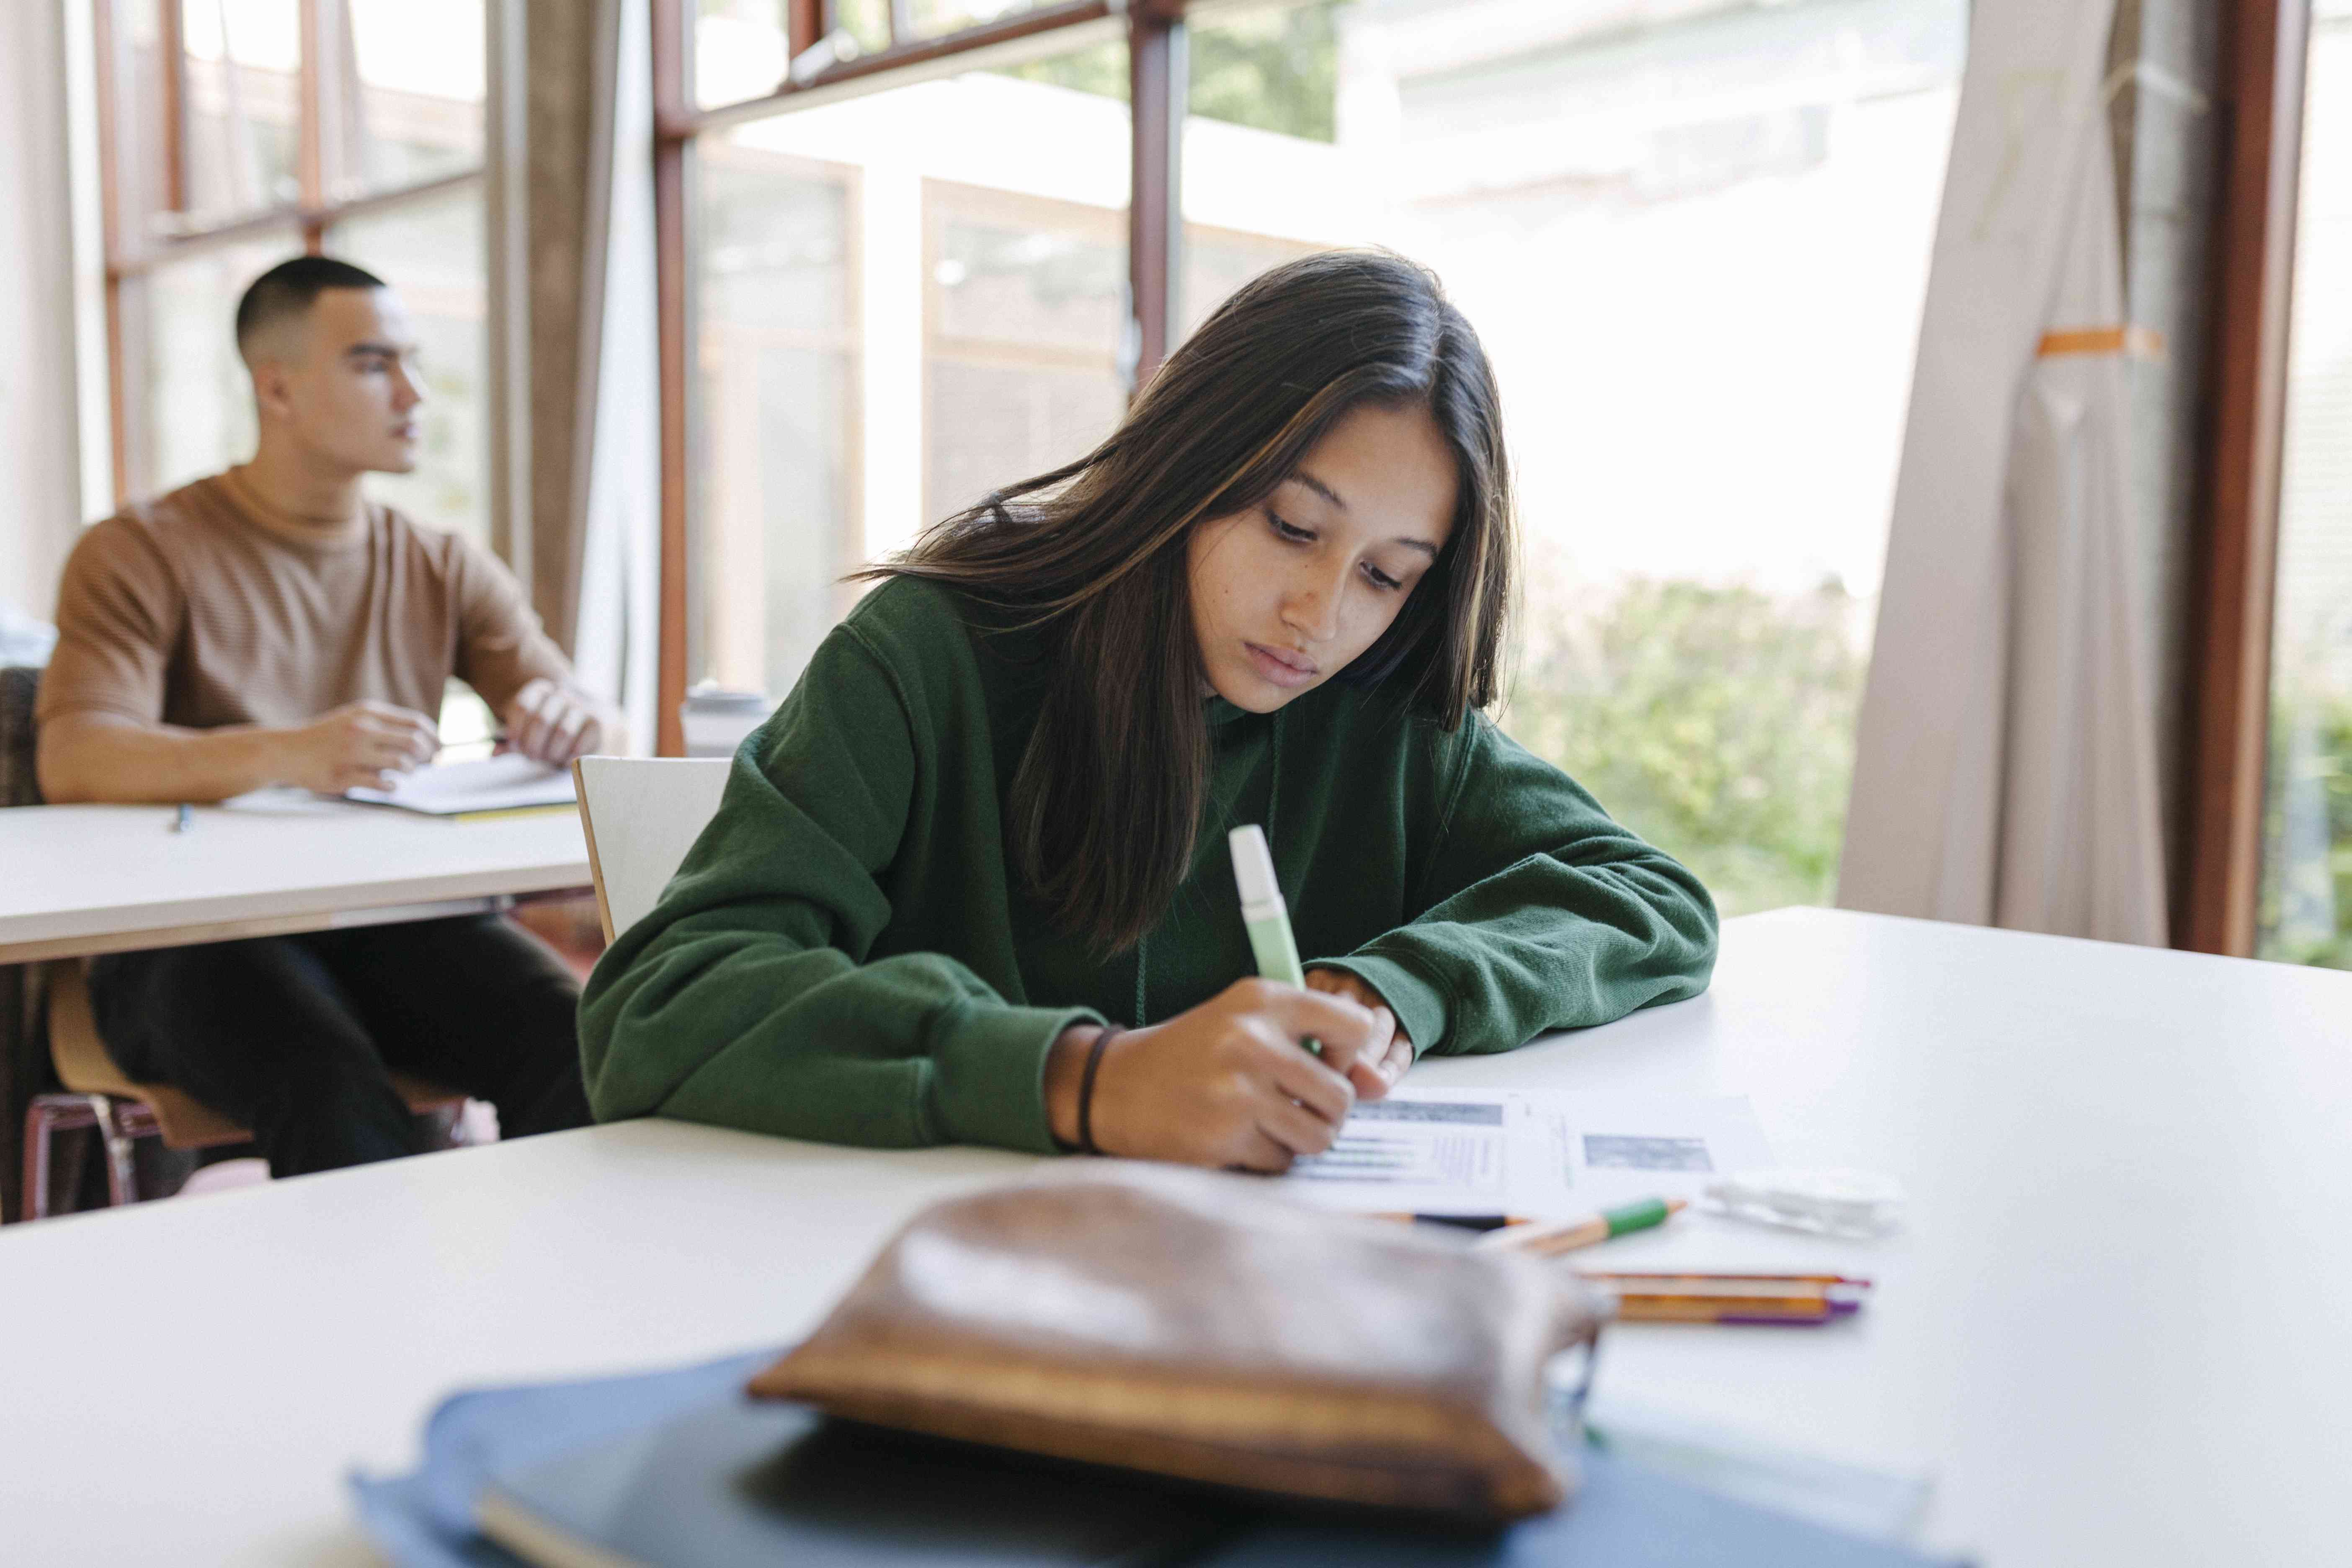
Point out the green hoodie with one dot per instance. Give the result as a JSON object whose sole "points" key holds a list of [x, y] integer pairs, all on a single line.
{"points": [[844, 956]]}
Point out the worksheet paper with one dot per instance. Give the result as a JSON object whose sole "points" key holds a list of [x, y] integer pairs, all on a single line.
{"points": [[1541, 1153], [509, 782]]}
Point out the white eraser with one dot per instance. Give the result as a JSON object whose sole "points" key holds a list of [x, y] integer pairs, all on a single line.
{"points": [[1828, 1202], [1253, 866]]}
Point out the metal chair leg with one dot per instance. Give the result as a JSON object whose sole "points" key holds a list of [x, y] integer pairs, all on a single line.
{"points": [[121, 1174], [49, 1115], [39, 1124], [35, 1193]]}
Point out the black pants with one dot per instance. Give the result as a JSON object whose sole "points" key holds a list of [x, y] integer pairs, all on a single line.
{"points": [[290, 1036]]}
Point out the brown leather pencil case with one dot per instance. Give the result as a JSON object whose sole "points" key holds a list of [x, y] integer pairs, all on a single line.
{"points": [[1194, 1324]]}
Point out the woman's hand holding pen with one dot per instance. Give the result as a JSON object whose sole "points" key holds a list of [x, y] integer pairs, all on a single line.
{"points": [[1375, 1076], [1227, 1083]]}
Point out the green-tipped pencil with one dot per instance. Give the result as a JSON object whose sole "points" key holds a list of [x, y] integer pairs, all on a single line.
{"points": [[1547, 1240]]}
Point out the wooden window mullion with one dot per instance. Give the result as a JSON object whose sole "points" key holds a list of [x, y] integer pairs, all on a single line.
{"points": [[310, 136], [804, 24], [171, 44], [1156, 81], [670, 64], [2234, 566], [108, 54]]}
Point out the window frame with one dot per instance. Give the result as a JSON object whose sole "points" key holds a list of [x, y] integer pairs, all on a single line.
{"points": [[134, 251], [700, 540], [2232, 551], [949, 201], [1154, 31], [2234, 546]]}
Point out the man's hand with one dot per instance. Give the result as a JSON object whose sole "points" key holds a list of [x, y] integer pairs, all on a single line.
{"points": [[553, 724], [1372, 1078], [360, 745], [1227, 1083]]}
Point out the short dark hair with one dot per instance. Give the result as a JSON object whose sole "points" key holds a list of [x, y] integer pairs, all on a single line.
{"points": [[288, 290]]}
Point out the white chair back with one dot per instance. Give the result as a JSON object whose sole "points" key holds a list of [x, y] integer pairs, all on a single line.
{"points": [[640, 815]]}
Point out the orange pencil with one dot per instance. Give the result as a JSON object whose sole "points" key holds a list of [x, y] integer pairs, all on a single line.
{"points": [[1787, 1298]]}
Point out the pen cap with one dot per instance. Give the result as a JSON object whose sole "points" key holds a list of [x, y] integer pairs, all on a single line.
{"points": [[1254, 868]]}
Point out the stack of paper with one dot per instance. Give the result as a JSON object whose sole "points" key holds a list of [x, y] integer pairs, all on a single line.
{"points": [[501, 785], [1527, 1152]]}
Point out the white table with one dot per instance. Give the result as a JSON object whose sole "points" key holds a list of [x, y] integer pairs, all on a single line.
{"points": [[80, 879], [2114, 1329]]}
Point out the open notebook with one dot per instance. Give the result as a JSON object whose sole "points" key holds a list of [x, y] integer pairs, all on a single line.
{"points": [[503, 785]]}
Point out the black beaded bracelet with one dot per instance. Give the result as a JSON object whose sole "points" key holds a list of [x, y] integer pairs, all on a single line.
{"points": [[1087, 1089]]}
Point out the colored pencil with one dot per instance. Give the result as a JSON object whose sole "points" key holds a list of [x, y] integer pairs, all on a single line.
{"points": [[1551, 1240], [1792, 1299]]}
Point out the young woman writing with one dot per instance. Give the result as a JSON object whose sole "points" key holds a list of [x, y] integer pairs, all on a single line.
{"points": [[968, 884]]}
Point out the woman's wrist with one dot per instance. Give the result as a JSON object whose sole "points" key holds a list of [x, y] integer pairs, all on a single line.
{"points": [[1356, 988], [1065, 1068]]}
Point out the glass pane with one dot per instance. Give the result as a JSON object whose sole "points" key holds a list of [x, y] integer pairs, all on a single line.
{"points": [[244, 104], [2306, 901], [1024, 262], [776, 380], [199, 400], [932, 17], [138, 134], [1694, 230], [903, 301], [868, 21], [1028, 307], [1275, 70], [414, 73], [1217, 261], [740, 49], [431, 253]]}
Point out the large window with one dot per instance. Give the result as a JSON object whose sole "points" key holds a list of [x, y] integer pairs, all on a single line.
{"points": [[776, 383], [1025, 302], [1696, 247], [1696, 244], [900, 301], [238, 132], [2306, 914]]}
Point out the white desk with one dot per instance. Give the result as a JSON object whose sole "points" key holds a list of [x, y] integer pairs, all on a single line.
{"points": [[2114, 1328], [78, 880]]}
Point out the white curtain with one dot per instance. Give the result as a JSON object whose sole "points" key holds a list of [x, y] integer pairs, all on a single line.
{"points": [[40, 508], [619, 613], [2006, 769]]}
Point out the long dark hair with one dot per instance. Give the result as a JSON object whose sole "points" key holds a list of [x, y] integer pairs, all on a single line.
{"points": [[1104, 809]]}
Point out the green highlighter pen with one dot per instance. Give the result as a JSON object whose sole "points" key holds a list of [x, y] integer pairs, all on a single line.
{"points": [[1263, 914]]}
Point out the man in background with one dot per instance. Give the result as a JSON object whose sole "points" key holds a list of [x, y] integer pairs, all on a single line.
{"points": [[270, 625]]}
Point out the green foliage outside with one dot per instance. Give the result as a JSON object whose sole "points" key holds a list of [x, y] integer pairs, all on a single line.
{"points": [[1716, 722], [2307, 890], [1277, 70]]}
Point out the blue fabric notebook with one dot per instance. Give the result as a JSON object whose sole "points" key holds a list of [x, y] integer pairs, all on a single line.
{"points": [[676, 1469]]}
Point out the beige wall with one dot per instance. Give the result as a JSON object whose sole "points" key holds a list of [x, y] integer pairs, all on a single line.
{"points": [[41, 484]]}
